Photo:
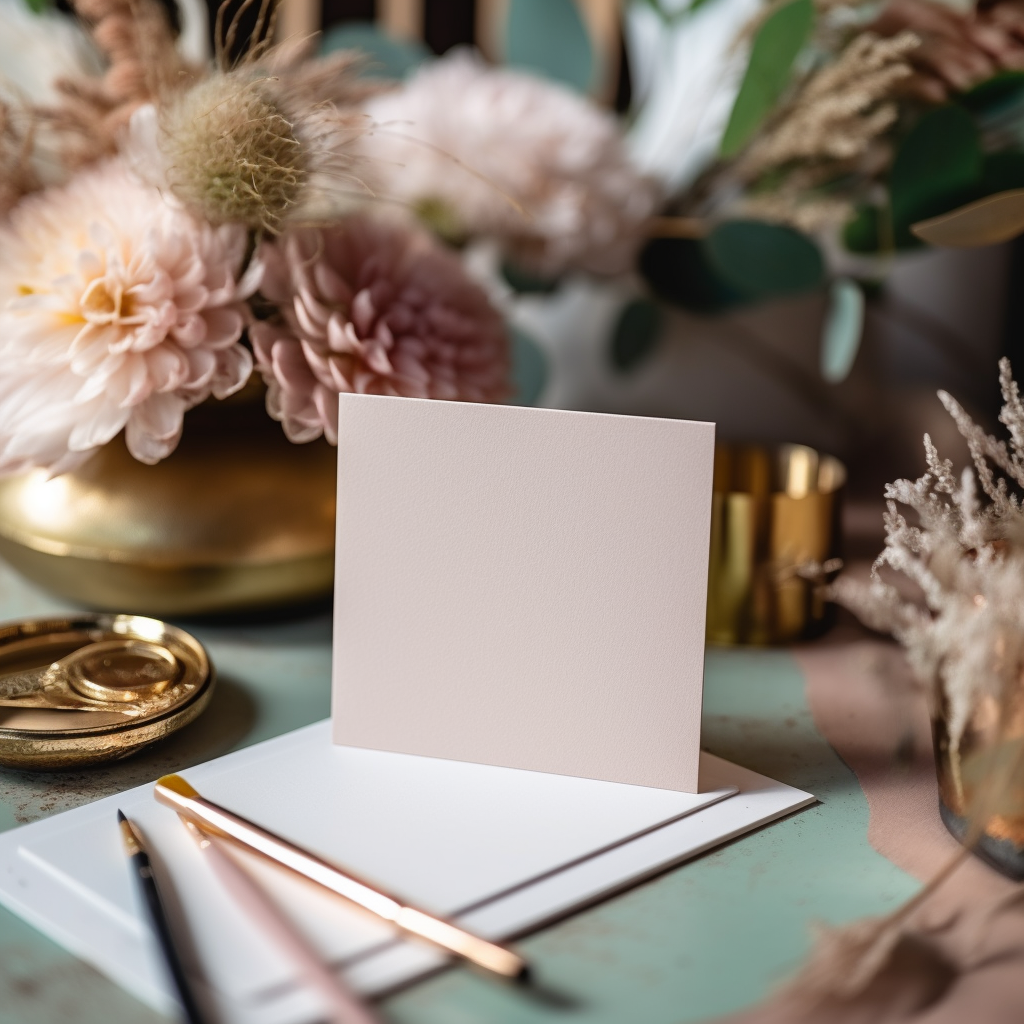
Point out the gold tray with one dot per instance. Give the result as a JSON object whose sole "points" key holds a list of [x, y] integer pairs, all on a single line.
{"points": [[33, 739]]}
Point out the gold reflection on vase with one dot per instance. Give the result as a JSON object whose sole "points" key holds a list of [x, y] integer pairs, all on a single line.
{"points": [[984, 777], [773, 511], [236, 518]]}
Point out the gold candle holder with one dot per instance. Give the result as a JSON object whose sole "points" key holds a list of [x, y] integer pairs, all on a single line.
{"points": [[774, 511]]}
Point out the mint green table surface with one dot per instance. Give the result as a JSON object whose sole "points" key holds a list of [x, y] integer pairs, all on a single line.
{"points": [[706, 938]]}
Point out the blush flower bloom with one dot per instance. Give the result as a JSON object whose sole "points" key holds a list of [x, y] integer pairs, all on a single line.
{"points": [[479, 150], [372, 307], [117, 312]]}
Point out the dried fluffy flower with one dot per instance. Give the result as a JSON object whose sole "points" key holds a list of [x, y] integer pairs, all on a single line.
{"points": [[489, 151], [263, 145], [117, 311], [372, 307]]}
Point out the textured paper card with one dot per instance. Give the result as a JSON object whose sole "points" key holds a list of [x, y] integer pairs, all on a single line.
{"points": [[522, 587]]}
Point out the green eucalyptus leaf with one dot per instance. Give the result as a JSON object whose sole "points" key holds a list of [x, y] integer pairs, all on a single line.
{"points": [[635, 335], [762, 260], [679, 271], [529, 368], [387, 57], [526, 282], [775, 47], [843, 329], [996, 94], [937, 168], [550, 37], [863, 234], [1002, 172]]}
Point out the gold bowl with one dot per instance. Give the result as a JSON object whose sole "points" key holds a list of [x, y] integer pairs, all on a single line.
{"points": [[236, 518], [774, 512], [34, 739]]}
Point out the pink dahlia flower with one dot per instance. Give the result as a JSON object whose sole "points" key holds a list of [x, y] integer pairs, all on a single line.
{"points": [[374, 308], [117, 312]]}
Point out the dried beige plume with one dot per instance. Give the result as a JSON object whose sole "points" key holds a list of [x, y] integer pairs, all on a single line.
{"points": [[841, 110], [265, 143], [876, 963], [17, 175], [137, 41], [799, 200], [966, 641]]}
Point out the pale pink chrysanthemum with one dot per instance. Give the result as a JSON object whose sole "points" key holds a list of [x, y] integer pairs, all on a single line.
{"points": [[117, 312], [372, 307], [483, 151]]}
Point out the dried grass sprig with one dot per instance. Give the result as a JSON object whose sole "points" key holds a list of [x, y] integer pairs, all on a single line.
{"points": [[848, 961], [972, 627], [17, 175], [967, 557], [136, 38], [841, 110]]}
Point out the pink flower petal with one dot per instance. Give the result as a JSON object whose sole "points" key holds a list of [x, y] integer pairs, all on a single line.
{"points": [[373, 308]]}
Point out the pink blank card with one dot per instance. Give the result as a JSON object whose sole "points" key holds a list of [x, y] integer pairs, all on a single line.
{"points": [[522, 587]]}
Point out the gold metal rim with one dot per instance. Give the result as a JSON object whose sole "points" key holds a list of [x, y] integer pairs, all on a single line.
{"points": [[127, 556]]}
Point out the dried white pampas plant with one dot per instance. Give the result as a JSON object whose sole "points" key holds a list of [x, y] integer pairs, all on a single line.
{"points": [[966, 641]]}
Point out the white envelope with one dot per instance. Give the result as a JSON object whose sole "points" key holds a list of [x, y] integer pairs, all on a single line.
{"points": [[502, 850], [522, 587]]}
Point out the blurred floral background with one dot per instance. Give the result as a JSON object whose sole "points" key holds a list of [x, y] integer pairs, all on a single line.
{"points": [[796, 218]]}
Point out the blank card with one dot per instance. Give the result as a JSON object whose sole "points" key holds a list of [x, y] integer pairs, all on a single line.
{"points": [[522, 587]]}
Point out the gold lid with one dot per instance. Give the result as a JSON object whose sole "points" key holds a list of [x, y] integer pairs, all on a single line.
{"points": [[90, 688]]}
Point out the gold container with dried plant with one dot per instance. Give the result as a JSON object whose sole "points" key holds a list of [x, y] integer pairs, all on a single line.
{"points": [[963, 632], [236, 518]]}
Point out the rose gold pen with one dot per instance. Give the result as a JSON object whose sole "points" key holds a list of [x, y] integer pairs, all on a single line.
{"points": [[176, 793], [344, 1006]]}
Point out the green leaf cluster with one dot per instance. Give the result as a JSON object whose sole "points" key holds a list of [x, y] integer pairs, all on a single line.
{"points": [[941, 165], [739, 262]]}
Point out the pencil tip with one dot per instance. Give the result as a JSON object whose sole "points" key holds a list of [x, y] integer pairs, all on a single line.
{"points": [[131, 839]]}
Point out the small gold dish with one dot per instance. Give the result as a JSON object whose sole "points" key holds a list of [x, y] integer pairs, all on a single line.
{"points": [[90, 688]]}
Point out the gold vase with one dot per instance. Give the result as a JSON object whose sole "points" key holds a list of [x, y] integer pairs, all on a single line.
{"points": [[773, 511], [236, 518]]}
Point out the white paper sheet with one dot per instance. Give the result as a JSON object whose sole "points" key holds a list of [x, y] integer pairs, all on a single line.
{"points": [[503, 849]]}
